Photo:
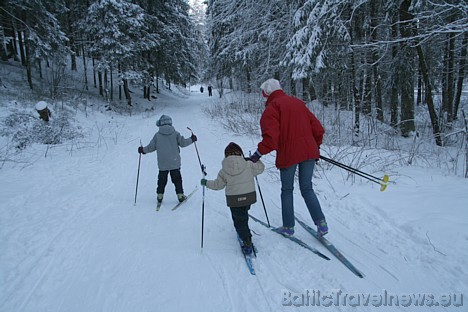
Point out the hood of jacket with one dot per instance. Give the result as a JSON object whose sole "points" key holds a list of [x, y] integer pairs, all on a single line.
{"points": [[166, 129], [234, 165]]}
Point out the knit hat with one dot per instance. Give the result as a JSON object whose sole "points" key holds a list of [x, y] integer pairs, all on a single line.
{"points": [[164, 120], [269, 86], [233, 149]]}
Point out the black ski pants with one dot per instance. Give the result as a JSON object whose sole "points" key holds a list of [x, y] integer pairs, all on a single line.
{"points": [[176, 178], [240, 217]]}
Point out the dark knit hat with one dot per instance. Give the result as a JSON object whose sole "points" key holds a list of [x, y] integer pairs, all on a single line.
{"points": [[233, 149]]}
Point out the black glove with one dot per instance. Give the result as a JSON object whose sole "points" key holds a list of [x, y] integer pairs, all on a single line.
{"points": [[193, 137], [203, 182], [140, 150], [255, 157]]}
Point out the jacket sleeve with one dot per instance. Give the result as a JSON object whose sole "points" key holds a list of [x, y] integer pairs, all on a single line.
{"points": [[270, 126], [257, 168], [219, 183], [181, 141], [151, 147], [317, 129]]}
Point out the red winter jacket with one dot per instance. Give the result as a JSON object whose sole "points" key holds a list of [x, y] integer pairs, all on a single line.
{"points": [[289, 128]]}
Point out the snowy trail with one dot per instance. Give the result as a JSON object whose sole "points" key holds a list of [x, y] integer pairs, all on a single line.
{"points": [[72, 240]]}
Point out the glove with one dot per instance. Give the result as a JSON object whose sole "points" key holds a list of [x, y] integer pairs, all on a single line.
{"points": [[203, 182], [140, 150], [194, 138], [255, 157]]}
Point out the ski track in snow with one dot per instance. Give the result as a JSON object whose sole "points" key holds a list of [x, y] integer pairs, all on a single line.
{"points": [[72, 239]]}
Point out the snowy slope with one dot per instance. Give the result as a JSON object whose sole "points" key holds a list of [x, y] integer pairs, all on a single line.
{"points": [[73, 240]]}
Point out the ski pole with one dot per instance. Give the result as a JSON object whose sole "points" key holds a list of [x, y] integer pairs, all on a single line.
{"points": [[261, 197], [202, 167], [354, 170], [203, 209], [198, 155], [382, 182], [138, 177]]}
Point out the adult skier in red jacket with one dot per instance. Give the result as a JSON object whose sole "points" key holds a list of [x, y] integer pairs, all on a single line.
{"points": [[292, 130]]}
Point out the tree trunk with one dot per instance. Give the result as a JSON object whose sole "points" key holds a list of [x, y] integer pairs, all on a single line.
{"points": [[375, 67], [127, 92], [461, 76], [419, 96], [21, 44], [429, 101], [249, 81], [85, 68], [394, 100], [101, 91], [28, 61], [94, 74], [406, 71], [447, 78], [357, 99], [111, 83]]}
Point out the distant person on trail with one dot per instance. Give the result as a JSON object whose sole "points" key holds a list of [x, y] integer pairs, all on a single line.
{"points": [[237, 176], [201, 89], [166, 143], [292, 130], [210, 89]]}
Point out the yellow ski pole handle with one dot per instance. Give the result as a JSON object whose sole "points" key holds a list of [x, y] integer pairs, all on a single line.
{"points": [[383, 184]]}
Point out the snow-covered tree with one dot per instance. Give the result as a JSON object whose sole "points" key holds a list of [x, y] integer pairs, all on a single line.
{"points": [[38, 32], [118, 33]]}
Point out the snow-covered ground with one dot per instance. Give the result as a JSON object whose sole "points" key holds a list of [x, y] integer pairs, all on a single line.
{"points": [[71, 238]]}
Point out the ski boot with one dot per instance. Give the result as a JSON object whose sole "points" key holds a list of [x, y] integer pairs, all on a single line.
{"points": [[247, 247], [286, 230], [160, 197], [181, 197], [322, 227]]}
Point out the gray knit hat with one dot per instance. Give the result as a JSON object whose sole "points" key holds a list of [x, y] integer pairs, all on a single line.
{"points": [[164, 120]]}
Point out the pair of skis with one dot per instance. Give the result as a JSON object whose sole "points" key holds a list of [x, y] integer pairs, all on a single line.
{"points": [[158, 207], [325, 242]]}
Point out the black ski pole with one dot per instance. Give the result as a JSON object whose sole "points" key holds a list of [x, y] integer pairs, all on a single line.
{"points": [[261, 197], [138, 177], [382, 182], [354, 170], [203, 209], [202, 167]]}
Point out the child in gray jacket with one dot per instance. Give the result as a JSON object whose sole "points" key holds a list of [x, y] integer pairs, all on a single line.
{"points": [[166, 143], [237, 176]]}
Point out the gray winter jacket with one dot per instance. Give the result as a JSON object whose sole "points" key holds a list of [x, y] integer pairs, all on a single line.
{"points": [[166, 143], [237, 175]]}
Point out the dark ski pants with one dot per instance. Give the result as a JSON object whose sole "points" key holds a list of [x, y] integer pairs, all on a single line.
{"points": [[176, 178], [240, 217]]}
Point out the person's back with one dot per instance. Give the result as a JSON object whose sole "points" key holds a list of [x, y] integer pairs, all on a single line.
{"points": [[237, 177], [167, 142], [299, 133], [291, 129]]}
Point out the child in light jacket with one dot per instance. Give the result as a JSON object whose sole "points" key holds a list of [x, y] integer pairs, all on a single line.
{"points": [[237, 176], [167, 142]]}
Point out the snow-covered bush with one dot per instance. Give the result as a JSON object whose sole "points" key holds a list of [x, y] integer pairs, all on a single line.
{"points": [[237, 112], [24, 129]]}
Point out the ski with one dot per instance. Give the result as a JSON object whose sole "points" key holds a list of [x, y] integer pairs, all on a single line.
{"points": [[292, 238], [325, 242], [188, 196], [248, 258]]}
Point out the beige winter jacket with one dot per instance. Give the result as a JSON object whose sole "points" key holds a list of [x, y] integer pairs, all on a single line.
{"points": [[237, 176]]}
